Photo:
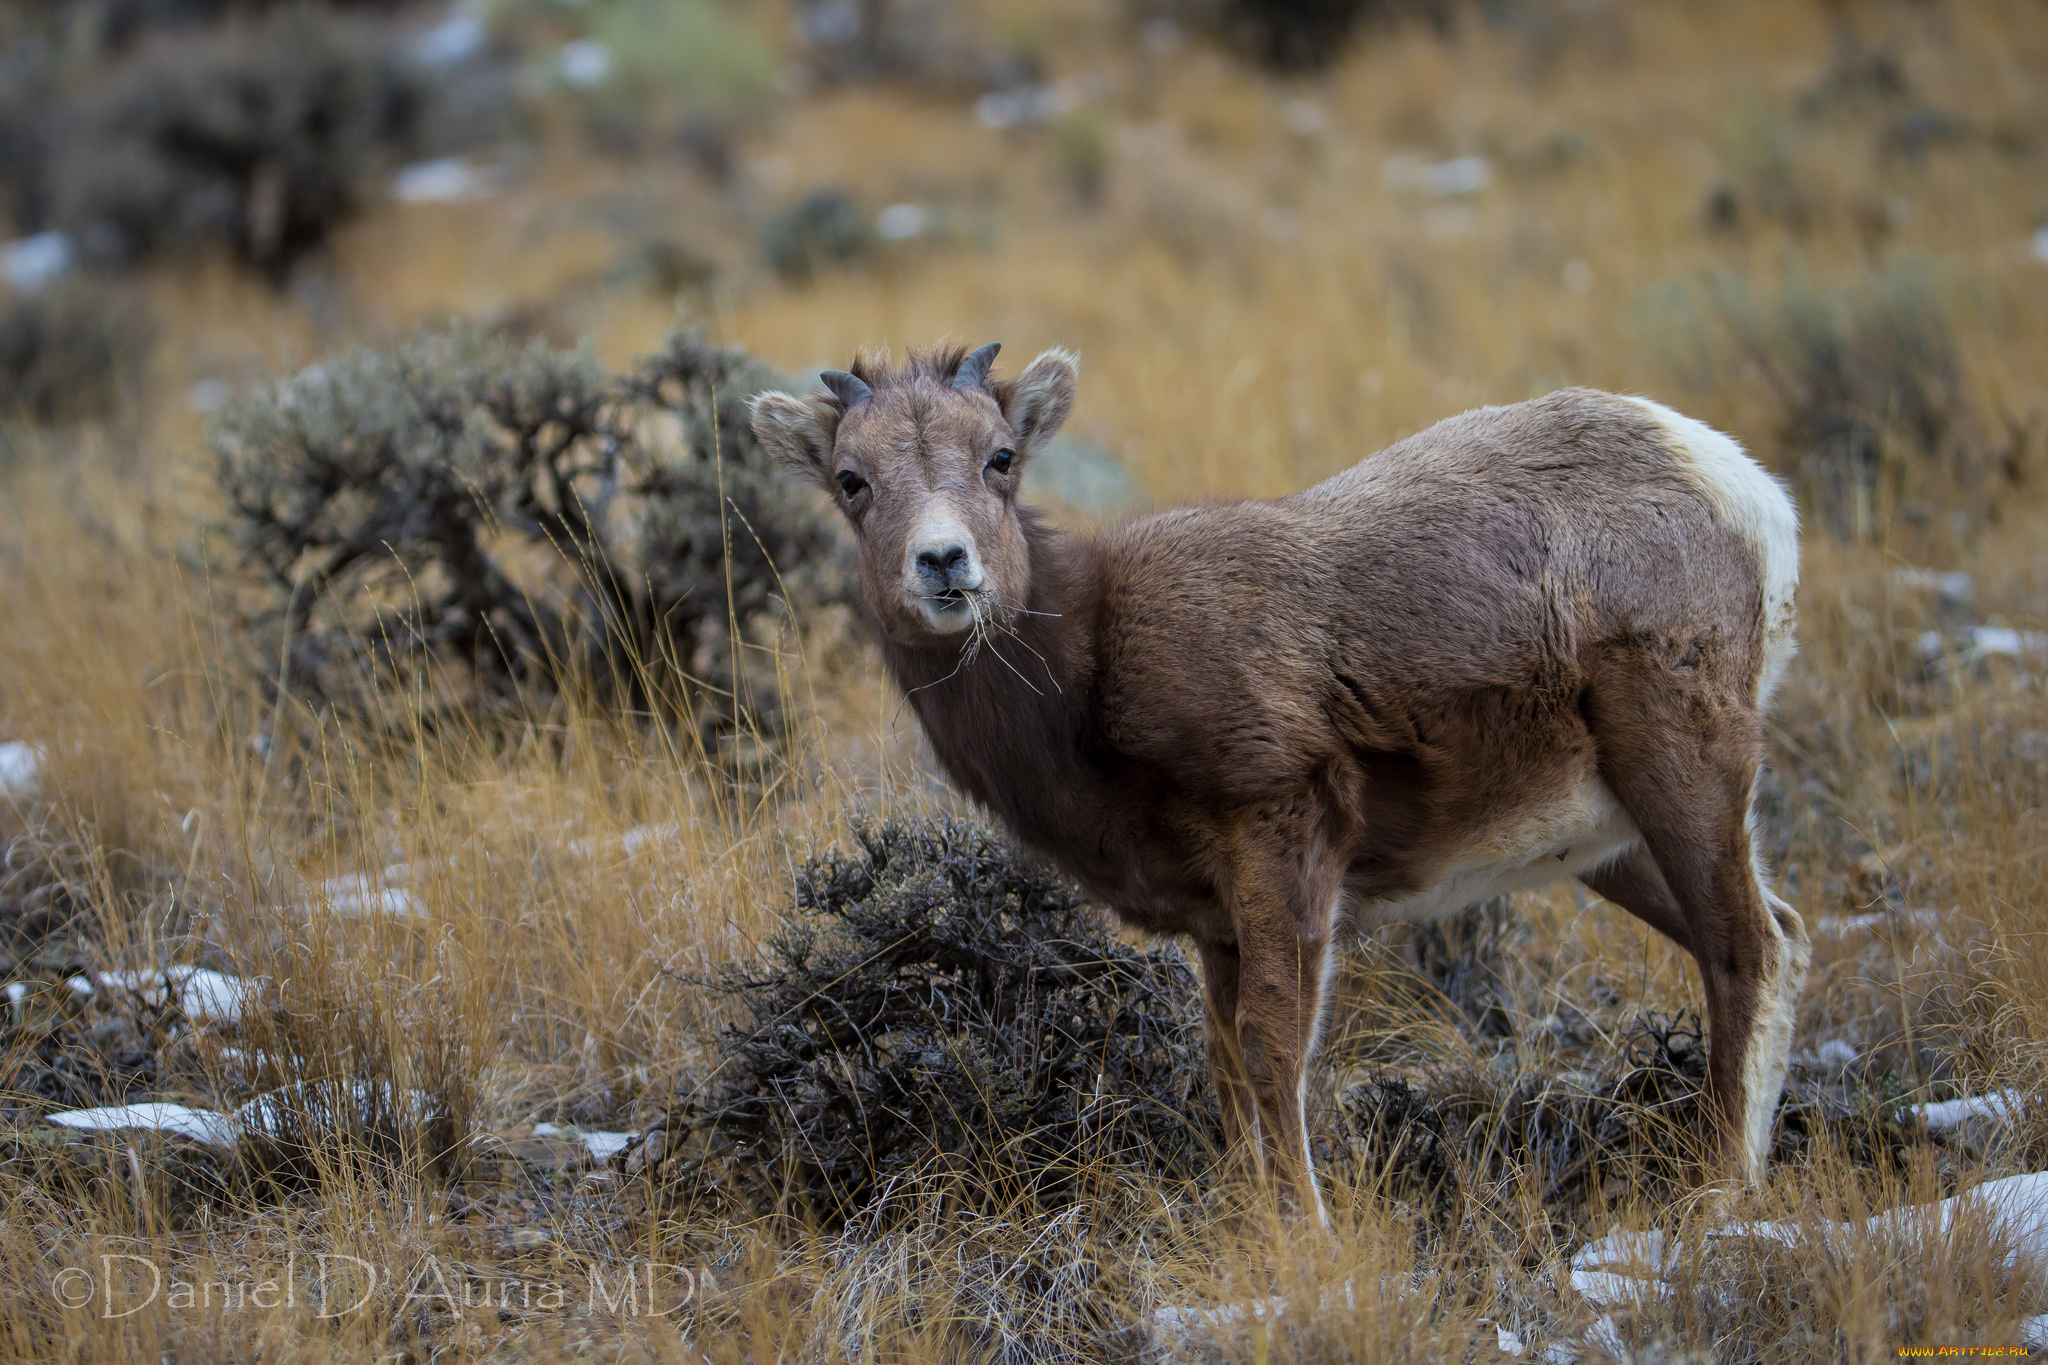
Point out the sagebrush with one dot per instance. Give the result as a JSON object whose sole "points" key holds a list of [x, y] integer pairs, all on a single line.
{"points": [[496, 520], [943, 1012], [257, 137]]}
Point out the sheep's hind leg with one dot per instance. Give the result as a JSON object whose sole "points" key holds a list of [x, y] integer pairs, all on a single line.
{"points": [[1682, 754], [1633, 882]]}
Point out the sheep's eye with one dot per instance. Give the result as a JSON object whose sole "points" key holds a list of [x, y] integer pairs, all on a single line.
{"points": [[1000, 461], [850, 482]]}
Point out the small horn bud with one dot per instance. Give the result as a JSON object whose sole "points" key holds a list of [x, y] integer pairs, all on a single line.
{"points": [[973, 371], [850, 389]]}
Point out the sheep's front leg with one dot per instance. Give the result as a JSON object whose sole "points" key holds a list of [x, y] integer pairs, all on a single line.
{"points": [[1279, 1013], [1220, 966], [1284, 923]]}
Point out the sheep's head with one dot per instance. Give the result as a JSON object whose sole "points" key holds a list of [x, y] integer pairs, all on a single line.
{"points": [[926, 462]]}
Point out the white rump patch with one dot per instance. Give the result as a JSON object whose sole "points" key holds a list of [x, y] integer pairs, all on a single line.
{"points": [[1756, 506], [1770, 1039], [1324, 972]]}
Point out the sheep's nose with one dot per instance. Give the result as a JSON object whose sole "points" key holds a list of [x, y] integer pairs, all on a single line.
{"points": [[944, 563], [941, 560]]}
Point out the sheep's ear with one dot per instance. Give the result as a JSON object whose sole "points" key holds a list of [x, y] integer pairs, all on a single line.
{"points": [[1038, 400], [794, 435]]}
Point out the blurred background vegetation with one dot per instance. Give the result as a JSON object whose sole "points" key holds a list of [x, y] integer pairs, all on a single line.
{"points": [[396, 615]]}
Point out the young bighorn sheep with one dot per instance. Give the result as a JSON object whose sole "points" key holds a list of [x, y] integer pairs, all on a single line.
{"points": [[1532, 642]]}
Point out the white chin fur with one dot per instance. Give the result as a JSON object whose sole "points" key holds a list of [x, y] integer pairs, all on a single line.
{"points": [[947, 620]]}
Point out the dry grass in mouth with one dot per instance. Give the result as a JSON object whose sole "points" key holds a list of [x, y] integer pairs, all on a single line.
{"points": [[992, 621], [1260, 295]]}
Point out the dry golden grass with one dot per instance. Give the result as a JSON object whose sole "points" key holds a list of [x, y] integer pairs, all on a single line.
{"points": [[1256, 307]]}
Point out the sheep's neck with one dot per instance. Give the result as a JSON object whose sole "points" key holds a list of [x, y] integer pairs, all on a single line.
{"points": [[1011, 720]]}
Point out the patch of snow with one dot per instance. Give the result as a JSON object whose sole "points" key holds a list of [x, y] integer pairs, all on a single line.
{"points": [[1510, 1342], [1455, 178], [1180, 1328], [17, 991], [201, 1125], [901, 222], [29, 263], [1931, 643], [1605, 1337], [451, 42], [1630, 1253], [1578, 277], [2007, 643], [603, 1146], [2018, 1205], [584, 64], [208, 994], [2040, 244], [1952, 583], [1784, 1234], [200, 992], [1609, 1289], [289, 1109], [21, 768], [248, 1062], [2034, 1333], [444, 180], [1023, 105], [1464, 175], [1625, 1267], [1180, 1323], [2004, 1105], [357, 895], [277, 1112], [1601, 1340]]}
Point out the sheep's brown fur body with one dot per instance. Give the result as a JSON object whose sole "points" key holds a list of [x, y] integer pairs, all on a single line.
{"points": [[1530, 642]]}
